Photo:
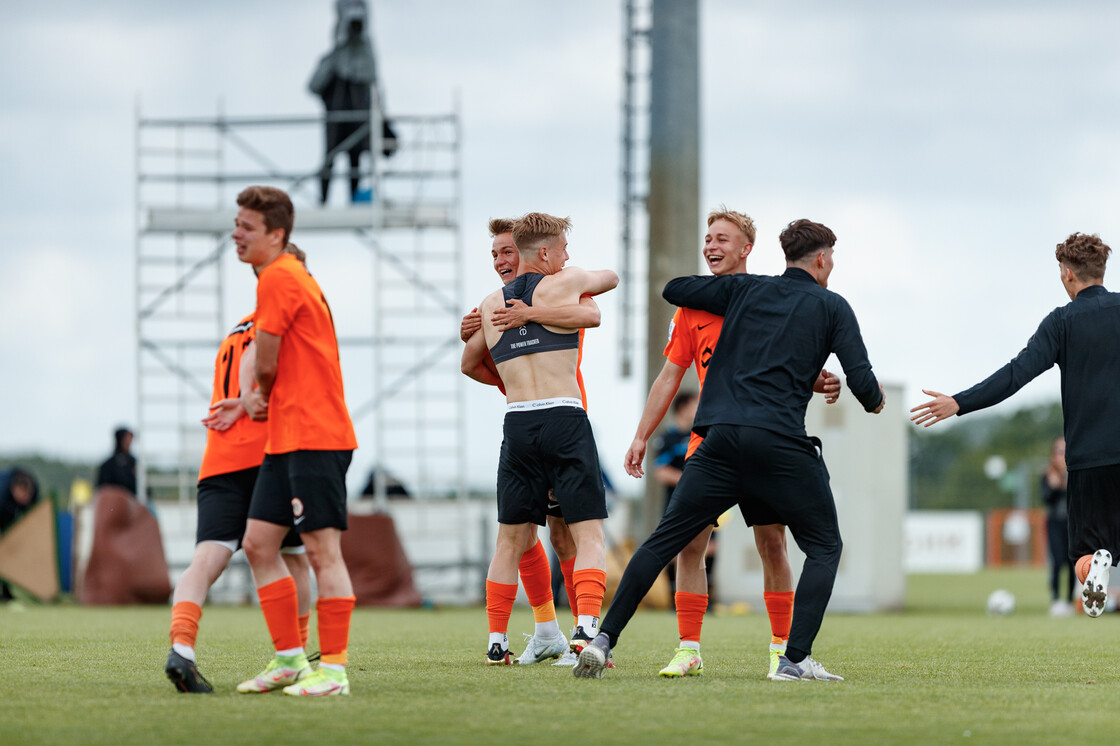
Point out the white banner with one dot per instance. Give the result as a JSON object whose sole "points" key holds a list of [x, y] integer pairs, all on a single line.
{"points": [[943, 541]]}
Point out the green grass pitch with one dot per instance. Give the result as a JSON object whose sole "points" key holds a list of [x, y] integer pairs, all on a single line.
{"points": [[941, 671]]}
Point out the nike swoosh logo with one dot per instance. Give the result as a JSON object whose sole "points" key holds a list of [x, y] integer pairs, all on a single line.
{"points": [[701, 326], [299, 520]]}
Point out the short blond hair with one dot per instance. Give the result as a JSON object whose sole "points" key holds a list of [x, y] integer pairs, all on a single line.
{"points": [[533, 228], [498, 226], [741, 221]]}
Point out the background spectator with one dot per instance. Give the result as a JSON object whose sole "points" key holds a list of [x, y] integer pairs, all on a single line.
{"points": [[120, 468]]}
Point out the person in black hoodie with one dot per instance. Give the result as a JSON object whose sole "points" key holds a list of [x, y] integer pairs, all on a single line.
{"points": [[344, 79], [120, 468]]}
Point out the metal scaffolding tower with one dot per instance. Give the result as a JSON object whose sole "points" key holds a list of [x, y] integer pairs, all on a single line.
{"points": [[402, 253]]}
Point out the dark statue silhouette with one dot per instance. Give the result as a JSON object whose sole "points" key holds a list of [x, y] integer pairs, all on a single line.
{"points": [[344, 79]]}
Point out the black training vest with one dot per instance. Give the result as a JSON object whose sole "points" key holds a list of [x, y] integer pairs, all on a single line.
{"points": [[532, 337]]}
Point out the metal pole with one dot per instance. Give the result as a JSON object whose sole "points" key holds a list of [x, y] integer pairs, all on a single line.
{"points": [[375, 143], [457, 201], [627, 196], [375, 199], [674, 176], [141, 461]]}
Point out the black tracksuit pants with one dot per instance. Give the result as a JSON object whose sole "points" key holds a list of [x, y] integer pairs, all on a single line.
{"points": [[773, 478]]}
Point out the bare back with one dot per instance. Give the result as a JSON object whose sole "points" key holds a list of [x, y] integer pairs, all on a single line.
{"points": [[551, 374]]}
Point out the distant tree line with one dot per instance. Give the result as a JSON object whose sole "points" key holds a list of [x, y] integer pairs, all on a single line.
{"points": [[947, 467]]}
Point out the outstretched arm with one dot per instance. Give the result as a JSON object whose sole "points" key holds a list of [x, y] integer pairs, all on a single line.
{"points": [[938, 408], [600, 281], [661, 394], [584, 315], [711, 293], [1040, 354]]}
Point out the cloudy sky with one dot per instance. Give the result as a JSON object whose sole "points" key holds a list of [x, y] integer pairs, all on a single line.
{"points": [[949, 147]]}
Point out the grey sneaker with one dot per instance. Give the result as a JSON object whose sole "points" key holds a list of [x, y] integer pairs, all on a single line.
{"points": [[538, 650], [806, 670], [810, 669], [787, 670], [1094, 595], [593, 658]]}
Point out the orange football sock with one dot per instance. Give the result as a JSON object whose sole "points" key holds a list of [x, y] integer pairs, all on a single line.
{"points": [[591, 586], [281, 612], [568, 570], [334, 628], [499, 604], [779, 606], [690, 614], [546, 612], [184, 623], [1082, 567], [305, 628], [536, 577]]}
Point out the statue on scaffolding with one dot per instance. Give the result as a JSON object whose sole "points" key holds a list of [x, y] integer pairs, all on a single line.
{"points": [[344, 80]]}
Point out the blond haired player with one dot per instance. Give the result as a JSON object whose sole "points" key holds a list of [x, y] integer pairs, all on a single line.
{"points": [[756, 453], [547, 439], [547, 641]]}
